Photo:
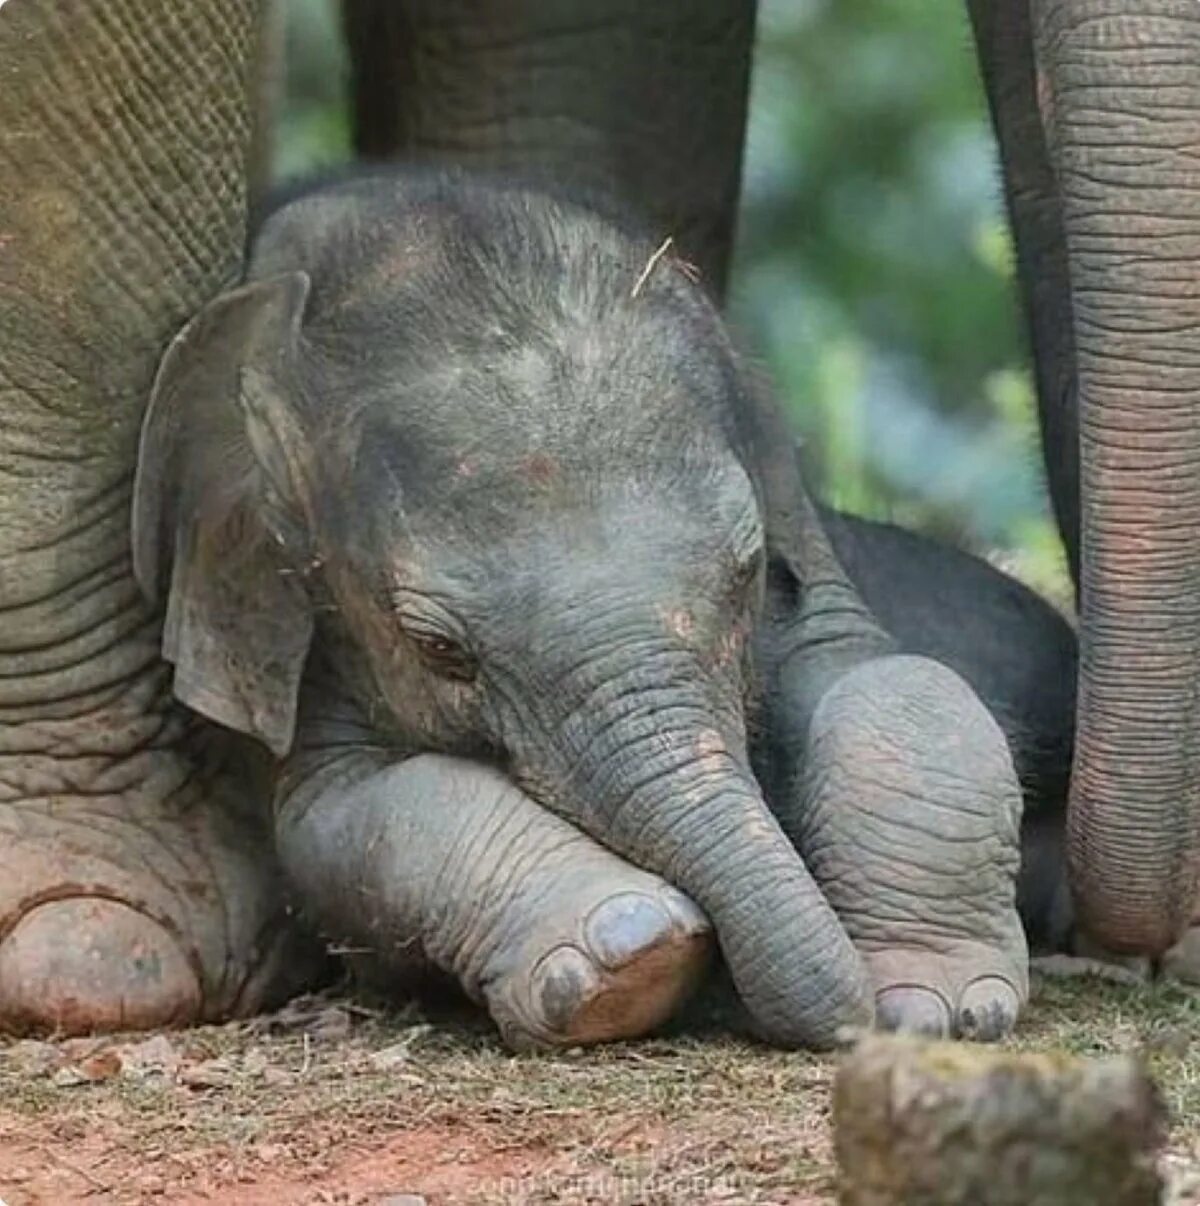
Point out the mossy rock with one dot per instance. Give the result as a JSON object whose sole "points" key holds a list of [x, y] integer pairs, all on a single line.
{"points": [[920, 1123]]}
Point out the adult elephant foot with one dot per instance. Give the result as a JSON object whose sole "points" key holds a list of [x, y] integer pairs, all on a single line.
{"points": [[906, 809], [440, 862], [117, 912], [133, 890]]}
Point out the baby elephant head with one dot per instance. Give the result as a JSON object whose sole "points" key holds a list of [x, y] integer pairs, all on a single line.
{"points": [[499, 455]]}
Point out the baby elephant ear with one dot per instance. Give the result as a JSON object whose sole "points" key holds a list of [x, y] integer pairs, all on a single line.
{"points": [[214, 472]]}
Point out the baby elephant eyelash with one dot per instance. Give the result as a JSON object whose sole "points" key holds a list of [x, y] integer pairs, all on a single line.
{"points": [[441, 653]]}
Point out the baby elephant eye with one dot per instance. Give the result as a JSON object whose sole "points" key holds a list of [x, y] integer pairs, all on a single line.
{"points": [[444, 656], [433, 631]]}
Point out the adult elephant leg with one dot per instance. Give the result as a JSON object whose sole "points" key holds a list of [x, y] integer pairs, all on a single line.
{"points": [[898, 789], [1121, 103], [438, 861], [649, 99], [1004, 39], [136, 887]]}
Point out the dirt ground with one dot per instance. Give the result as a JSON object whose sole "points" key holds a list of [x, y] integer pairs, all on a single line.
{"points": [[330, 1101]]}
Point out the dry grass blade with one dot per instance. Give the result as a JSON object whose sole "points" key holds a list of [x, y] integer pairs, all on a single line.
{"points": [[651, 264]]}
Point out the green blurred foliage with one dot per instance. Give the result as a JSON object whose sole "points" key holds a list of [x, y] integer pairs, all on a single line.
{"points": [[873, 272], [313, 127]]}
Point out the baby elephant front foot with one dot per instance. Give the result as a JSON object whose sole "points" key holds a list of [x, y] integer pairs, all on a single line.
{"points": [[566, 943], [610, 958], [440, 860], [907, 812]]}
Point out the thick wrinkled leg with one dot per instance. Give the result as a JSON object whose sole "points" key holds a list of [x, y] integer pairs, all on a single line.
{"points": [[133, 891], [138, 893], [902, 798], [438, 860]]}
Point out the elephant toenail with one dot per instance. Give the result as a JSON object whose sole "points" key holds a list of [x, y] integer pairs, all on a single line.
{"points": [[89, 963], [624, 926], [563, 981], [914, 1010], [988, 1009], [688, 916]]}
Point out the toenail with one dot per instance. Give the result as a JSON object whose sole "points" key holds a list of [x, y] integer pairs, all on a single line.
{"points": [[688, 916], [988, 1009], [624, 926], [563, 980], [914, 1010]]}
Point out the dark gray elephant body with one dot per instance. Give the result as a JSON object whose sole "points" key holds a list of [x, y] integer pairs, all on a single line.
{"points": [[1018, 653], [498, 456]]}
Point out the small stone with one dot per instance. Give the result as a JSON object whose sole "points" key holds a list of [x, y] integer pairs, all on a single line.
{"points": [[76, 1049], [209, 1074], [255, 1062], [98, 1066], [401, 1199], [153, 1058], [388, 1059], [33, 1058], [102, 1066], [68, 1078]]}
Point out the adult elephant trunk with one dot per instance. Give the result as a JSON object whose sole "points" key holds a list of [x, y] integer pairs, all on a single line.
{"points": [[644, 765], [1120, 97]]}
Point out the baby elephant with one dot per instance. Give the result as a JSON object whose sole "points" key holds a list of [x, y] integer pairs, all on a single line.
{"points": [[466, 508]]}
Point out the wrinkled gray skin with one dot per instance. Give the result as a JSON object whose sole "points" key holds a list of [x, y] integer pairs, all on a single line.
{"points": [[1096, 107], [138, 876], [522, 502], [1019, 656], [137, 881], [1097, 131]]}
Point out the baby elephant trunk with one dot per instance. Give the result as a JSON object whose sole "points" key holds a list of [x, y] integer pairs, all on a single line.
{"points": [[659, 783]]}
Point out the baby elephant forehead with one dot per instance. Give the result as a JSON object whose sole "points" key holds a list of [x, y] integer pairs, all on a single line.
{"points": [[398, 264], [507, 475]]}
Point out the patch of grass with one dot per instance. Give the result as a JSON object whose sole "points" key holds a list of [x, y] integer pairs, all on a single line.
{"points": [[690, 1118], [1159, 1022]]}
